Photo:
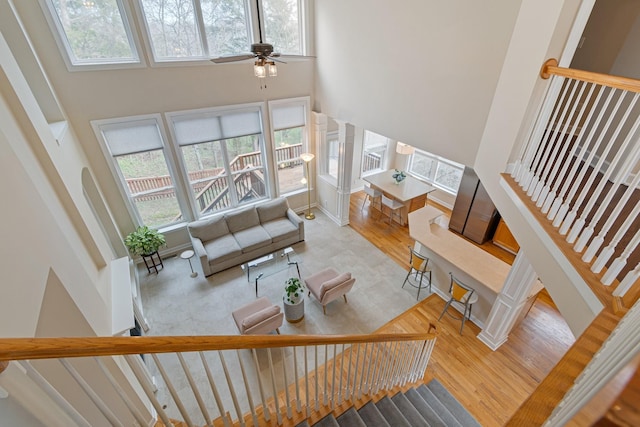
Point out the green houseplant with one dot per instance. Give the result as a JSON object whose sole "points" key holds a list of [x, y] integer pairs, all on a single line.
{"points": [[293, 291], [144, 241]]}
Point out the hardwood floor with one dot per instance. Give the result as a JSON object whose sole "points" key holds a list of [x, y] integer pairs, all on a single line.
{"points": [[490, 384]]}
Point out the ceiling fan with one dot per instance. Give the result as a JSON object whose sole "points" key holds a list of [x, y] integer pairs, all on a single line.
{"points": [[261, 51]]}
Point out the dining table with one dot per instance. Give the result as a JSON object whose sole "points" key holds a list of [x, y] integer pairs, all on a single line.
{"points": [[411, 192]]}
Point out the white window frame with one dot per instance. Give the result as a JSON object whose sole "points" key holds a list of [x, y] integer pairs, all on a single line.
{"points": [[115, 170], [431, 179], [60, 37], [304, 102], [219, 111]]}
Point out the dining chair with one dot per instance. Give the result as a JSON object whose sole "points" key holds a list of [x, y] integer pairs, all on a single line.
{"points": [[371, 194], [394, 206]]}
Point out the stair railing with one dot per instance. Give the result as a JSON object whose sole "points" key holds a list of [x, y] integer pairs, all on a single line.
{"points": [[260, 377], [581, 167]]}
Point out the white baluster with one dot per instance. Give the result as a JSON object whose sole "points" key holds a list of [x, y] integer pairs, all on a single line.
{"points": [[147, 386], [587, 190], [247, 389], [195, 390], [618, 264], [93, 396], [366, 363], [371, 361], [379, 368], [325, 397], [274, 388], [629, 280], [295, 377], [333, 379], [232, 391], [306, 383], [123, 395], [316, 377], [564, 178], [346, 392], [534, 142], [172, 390], [341, 372], [558, 142], [214, 390], [626, 168], [355, 373], [286, 384], [263, 399], [391, 365], [583, 164]]}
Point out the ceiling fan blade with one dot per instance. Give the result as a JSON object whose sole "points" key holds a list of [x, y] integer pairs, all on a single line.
{"points": [[223, 59], [273, 57]]}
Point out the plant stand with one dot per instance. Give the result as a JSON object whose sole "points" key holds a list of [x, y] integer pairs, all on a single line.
{"points": [[152, 262], [293, 312]]}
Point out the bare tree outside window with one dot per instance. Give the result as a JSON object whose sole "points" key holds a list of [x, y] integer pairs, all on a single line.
{"points": [[95, 31], [226, 26], [282, 25]]}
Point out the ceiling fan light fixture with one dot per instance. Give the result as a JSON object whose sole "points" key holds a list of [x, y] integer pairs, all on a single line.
{"points": [[259, 69], [273, 70]]}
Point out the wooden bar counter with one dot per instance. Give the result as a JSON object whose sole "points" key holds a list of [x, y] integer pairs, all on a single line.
{"points": [[450, 252]]}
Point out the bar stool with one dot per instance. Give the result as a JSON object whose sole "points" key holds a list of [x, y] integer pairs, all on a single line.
{"points": [[371, 194], [463, 295], [394, 206], [418, 265]]}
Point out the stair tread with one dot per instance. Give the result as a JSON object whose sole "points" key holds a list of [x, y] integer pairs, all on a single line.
{"points": [[328, 421], [438, 406], [391, 413], [424, 408], [409, 411], [351, 418], [372, 416], [303, 424], [452, 404]]}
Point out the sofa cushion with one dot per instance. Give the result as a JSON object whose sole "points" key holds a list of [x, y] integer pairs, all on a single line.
{"points": [[222, 249], [273, 209], [208, 229], [242, 219], [252, 238], [281, 229], [260, 316], [332, 283]]}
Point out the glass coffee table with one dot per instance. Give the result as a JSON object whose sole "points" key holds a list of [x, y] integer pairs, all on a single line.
{"points": [[273, 263]]}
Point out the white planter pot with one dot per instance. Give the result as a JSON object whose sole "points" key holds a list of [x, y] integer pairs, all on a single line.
{"points": [[293, 312]]}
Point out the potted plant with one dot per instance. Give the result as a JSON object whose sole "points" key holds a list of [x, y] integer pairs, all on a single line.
{"points": [[398, 176], [293, 299], [144, 241]]}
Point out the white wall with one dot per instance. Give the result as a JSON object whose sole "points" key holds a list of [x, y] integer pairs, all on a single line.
{"points": [[418, 71], [627, 62]]}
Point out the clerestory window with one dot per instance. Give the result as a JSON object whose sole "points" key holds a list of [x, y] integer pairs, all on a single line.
{"points": [[92, 33], [436, 170]]}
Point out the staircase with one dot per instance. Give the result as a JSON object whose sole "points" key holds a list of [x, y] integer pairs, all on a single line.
{"points": [[425, 405]]}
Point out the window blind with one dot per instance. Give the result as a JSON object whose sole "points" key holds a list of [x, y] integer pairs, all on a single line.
{"points": [[289, 116], [132, 137], [195, 129]]}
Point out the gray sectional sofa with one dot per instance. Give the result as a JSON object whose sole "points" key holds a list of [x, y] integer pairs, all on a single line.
{"points": [[226, 240]]}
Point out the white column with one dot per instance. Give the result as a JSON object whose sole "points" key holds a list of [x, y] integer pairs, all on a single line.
{"points": [[346, 137], [509, 303]]}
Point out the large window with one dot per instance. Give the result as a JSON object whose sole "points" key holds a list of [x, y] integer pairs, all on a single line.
{"points": [[282, 25], [194, 29], [223, 157], [137, 150], [92, 32], [374, 151], [436, 170], [290, 135]]}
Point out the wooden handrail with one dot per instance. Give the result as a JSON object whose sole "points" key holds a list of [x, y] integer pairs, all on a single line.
{"points": [[48, 348], [551, 67]]}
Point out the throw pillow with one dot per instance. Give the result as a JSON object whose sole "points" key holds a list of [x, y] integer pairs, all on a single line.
{"points": [[260, 316], [209, 229]]}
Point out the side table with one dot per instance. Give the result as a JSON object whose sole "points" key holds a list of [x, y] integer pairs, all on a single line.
{"points": [[188, 255], [152, 262]]}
